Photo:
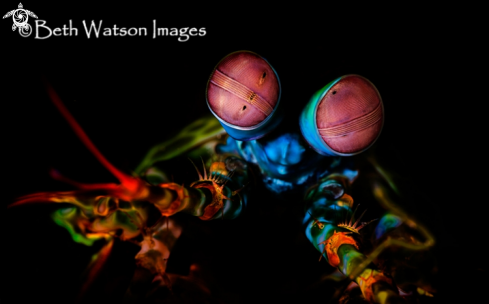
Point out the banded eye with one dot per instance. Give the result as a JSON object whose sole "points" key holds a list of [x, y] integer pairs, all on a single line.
{"points": [[347, 114], [243, 81]]}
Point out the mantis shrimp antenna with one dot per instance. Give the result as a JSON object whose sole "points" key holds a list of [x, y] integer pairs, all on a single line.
{"points": [[130, 187], [129, 182]]}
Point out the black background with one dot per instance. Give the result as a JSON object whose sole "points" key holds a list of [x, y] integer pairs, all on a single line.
{"points": [[129, 93]]}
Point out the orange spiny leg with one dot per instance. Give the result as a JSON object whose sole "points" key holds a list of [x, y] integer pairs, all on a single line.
{"points": [[355, 227], [332, 244], [215, 182]]}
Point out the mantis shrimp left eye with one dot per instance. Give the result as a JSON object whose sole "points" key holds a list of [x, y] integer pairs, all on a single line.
{"points": [[243, 93]]}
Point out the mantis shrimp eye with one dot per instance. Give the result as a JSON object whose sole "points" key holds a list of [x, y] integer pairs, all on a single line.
{"points": [[344, 118], [243, 92]]}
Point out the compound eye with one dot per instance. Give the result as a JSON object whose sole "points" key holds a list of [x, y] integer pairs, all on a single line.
{"points": [[344, 118], [350, 115], [243, 90]]}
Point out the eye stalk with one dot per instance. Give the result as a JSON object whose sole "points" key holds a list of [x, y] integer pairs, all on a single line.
{"points": [[243, 93], [344, 118]]}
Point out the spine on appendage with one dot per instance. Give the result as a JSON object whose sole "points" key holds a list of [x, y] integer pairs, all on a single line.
{"points": [[325, 204]]}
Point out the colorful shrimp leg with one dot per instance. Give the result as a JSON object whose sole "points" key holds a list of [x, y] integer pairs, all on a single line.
{"points": [[340, 247], [105, 211], [215, 183], [169, 198], [156, 247]]}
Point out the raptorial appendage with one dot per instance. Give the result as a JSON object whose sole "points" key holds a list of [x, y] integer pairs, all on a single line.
{"points": [[337, 239], [215, 183]]}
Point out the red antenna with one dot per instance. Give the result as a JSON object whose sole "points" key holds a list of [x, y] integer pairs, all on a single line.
{"points": [[127, 181]]}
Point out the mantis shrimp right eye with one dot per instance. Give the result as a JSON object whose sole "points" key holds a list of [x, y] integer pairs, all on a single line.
{"points": [[344, 118]]}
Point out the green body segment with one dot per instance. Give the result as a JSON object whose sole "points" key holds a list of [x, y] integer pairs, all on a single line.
{"points": [[68, 218], [190, 137]]}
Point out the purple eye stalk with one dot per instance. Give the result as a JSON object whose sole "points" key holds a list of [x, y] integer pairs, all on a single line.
{"points": [[344, 118], [243, 93]]}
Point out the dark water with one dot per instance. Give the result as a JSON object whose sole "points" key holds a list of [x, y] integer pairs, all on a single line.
{"points": [[130, 93]]}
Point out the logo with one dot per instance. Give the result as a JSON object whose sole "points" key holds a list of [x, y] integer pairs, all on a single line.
{"points": [[20, 17], [94, 29]]}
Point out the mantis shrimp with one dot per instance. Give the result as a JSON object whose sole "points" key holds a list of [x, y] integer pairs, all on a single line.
{"points": [[255, 165]]}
